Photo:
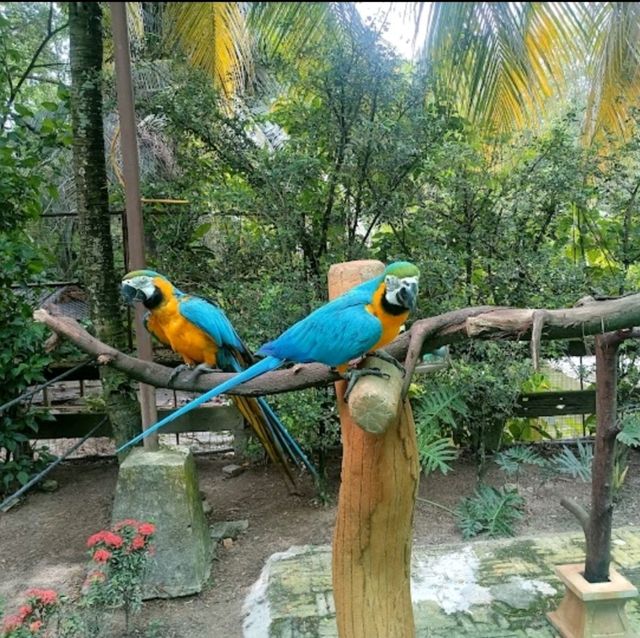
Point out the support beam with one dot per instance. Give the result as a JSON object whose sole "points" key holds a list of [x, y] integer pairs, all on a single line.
{"points": [[133, 206]]}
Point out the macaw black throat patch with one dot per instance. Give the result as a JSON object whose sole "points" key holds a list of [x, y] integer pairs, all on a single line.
{"points": [[391, 308], [155, 300]]}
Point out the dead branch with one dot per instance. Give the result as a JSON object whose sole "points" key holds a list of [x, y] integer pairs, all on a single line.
{"points": [[485, 322], [578, 511]]}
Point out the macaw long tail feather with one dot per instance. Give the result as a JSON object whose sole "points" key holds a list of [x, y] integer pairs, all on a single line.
{"points": [[295, 451], [271, 423], [261, 367], [270, 440]]}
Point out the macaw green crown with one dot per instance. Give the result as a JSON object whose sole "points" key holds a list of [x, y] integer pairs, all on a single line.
{"points": [[402, 269], [143, 273]]}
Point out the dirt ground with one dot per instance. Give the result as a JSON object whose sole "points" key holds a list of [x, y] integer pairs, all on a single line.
{"points": [[42, 541]]}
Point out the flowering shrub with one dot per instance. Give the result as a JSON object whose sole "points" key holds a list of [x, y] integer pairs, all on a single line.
{"points": [[32, 616], [120, 556], [119, 559]]}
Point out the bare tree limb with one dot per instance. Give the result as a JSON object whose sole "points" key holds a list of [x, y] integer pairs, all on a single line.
{"points": [[484, 322], [539, 317], [578, 511]]}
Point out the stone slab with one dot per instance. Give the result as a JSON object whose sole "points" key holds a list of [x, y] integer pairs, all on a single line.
{"points": [[491, 589]]}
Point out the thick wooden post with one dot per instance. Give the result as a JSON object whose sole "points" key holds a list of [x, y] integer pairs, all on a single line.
{"points": [[598, 532], [372, 539]]}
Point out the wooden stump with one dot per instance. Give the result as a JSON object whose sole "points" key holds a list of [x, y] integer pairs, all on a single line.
{"points": [[373, 534]]}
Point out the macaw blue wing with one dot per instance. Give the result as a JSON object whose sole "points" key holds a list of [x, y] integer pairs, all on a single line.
{"points": [[215, 323], [333, 334]]}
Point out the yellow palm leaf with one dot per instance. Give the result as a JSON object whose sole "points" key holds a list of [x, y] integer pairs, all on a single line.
{"points": [[614, 67], [502, 60], [214, 37]]}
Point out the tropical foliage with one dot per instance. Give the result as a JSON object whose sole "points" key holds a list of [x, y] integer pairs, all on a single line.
{"points": [[505, 60], [294, 137]]}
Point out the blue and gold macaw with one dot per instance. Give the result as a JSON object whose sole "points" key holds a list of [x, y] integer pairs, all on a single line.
{"points": [[203, 336], [361, 321]]}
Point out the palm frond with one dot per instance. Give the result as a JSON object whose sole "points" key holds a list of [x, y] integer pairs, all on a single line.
{"points": [[502, 60], [614, 67], [214, 38], [288, 27]]}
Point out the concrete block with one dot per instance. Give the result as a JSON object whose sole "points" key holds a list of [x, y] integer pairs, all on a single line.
{"points": [[162, 487]]}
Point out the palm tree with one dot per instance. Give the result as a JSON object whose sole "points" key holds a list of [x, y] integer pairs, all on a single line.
{"points": [[503, 61]]}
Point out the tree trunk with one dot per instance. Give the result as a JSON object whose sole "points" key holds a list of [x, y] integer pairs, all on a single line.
{"points": [[98, 272], [598, 532], [373, 534]]}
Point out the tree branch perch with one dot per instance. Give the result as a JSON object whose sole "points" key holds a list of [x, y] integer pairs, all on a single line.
{"points": [[483, 322]]}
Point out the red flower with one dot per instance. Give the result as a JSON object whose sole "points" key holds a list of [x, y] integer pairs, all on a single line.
{"points": [[35, 626], [95, 539], [102, 556], [112, 540], [108, 538], [43, 596], [147, 529], [138, 542], [127, 522], [24, 611], [11, 623]]}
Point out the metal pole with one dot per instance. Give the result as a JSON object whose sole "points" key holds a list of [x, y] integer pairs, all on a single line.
{"points": [[133, 205]]}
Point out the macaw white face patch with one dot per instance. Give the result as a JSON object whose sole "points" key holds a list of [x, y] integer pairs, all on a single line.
{"points": [[142, 284], [401, 291]]}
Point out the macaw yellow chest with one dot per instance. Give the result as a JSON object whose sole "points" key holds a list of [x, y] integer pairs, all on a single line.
{"points": [[391, 324], [189, 341]]}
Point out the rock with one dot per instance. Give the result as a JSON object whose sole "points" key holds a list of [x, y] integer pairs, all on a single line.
{"points": [[228, 529], [232, 470], [162, 487], [206, 507], [227, 543], [50, 485]]}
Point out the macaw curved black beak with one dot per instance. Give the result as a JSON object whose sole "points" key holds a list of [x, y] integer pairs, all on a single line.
{"points": [[408, 295], [131, 294]]}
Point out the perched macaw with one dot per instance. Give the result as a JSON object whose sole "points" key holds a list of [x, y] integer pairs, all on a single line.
{"points": [[360, 321], [203, 336]]}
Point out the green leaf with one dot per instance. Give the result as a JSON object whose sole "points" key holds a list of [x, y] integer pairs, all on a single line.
{"points": [[630, 430], [202, 230], [577, 466], [22, 110], [490, 510], [23, 477], [511, 460]]}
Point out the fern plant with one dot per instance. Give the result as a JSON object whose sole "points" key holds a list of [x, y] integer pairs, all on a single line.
{"points": [[491, 510], [511, 461], [436, 411], [577, 466]]}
